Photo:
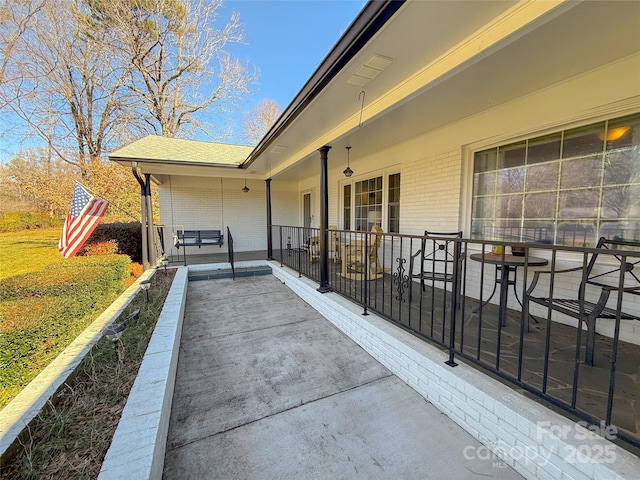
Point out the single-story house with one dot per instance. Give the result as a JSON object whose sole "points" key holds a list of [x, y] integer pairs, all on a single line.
{"points": [[500, 119], [478, 116]]}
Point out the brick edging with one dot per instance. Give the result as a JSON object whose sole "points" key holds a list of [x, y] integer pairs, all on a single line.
{"points": [[138, 446]]}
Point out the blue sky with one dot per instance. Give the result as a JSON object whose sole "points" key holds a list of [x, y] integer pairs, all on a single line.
{"points": [[287, 40]]}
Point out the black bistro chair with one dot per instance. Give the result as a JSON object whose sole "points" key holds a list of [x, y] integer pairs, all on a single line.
{"points": [[616, 274], [438, 260]]}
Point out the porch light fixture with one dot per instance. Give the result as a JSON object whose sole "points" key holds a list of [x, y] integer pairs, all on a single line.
{"points": [[347, 171], [245, 189]]}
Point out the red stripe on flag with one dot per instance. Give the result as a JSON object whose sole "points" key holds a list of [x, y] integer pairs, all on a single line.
{"points": [[76, 230]]}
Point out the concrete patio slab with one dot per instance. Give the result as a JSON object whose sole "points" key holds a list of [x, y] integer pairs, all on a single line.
{"points": [[267, 388]]}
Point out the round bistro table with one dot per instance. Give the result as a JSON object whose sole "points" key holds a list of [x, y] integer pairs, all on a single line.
{"points": [[506, 264]]}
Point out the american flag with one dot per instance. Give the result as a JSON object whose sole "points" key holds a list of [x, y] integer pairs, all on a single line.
{"points": [[83, 217]]}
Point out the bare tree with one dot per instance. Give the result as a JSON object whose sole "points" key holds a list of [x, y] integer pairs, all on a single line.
{"points": [[258, 122], [15, 20], [96, 73], [67, 87], [179, 64]]}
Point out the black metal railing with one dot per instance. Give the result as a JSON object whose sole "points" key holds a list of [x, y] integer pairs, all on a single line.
{"points": [[230, 253], [477, 314]]}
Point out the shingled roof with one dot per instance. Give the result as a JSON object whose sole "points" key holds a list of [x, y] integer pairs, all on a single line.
{"points": [[156, 149]]}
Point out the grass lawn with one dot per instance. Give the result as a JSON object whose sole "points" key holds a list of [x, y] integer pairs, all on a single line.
{"points": [[47, 300], [28, 251]]}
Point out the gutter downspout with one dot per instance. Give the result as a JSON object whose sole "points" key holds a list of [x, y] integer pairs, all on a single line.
{"points": [[143, 205], [150, 237]]}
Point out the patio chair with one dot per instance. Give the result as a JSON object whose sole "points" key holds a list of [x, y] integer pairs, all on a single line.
{"points": [[314, 249], [374, 245], [334, 243], [439, 259], [603, 280], [355, 259]]}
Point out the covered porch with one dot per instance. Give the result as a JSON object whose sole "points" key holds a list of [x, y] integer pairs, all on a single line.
{"points": [[486, 124]]}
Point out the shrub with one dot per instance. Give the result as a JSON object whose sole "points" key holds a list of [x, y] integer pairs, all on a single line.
{"points": [[102, 248], [135, 271], [78, 275], [128, 237], [42, 312], [15, 221]]}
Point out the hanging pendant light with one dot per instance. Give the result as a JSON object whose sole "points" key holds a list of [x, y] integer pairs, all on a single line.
{"points": [[245, 189], [347, 171]]}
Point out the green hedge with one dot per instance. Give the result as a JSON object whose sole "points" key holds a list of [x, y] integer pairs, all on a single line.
{"points": [[42, 312], [15, 221], [128, 236]]}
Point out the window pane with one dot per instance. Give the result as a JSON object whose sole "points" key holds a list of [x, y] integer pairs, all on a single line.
{"points": [[544, 149], [394, 218], [579, 204], [540, 205], [483, 207], [622, 167], [485, 161], [623, 133], [394, 195], [542, 177], [347, 207], [622, 159], [576, 233], [616, 229], [393, 211], [509, 206], [621, 202], [510, 180], [582, 172], [536, 231], [484, 183], [512, 155], [481, 229], [583, 141]]}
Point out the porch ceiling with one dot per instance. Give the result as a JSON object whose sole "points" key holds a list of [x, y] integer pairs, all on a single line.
{"points": [[451, 60]]}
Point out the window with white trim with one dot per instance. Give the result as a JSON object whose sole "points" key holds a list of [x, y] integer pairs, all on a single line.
{"points": [[569, 187], [371, 202]]}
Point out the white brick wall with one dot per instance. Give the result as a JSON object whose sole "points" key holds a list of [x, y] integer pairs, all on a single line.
{"points": [[207, 203], [535, 441], [430, 193]]}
